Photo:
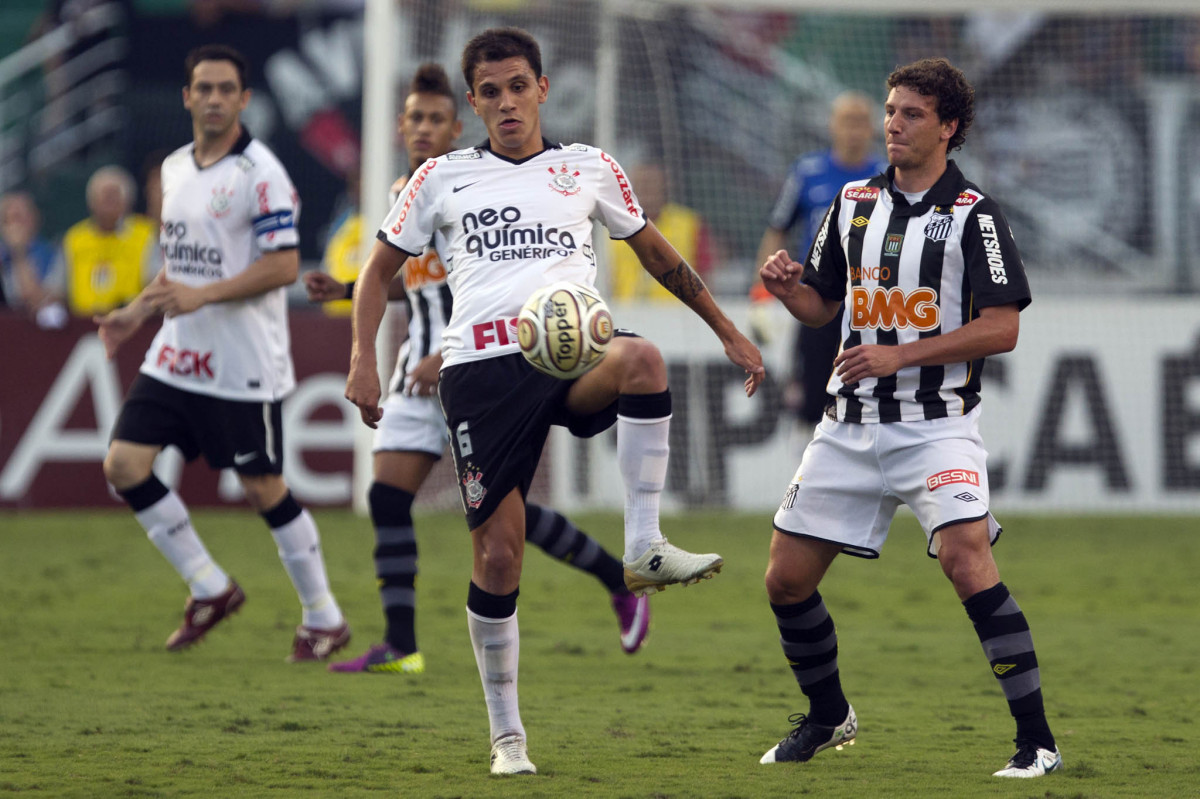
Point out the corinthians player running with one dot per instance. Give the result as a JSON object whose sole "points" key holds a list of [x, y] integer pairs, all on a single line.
{"points": [[214, 378], [411, 436], [507, 217], [933, 284]]}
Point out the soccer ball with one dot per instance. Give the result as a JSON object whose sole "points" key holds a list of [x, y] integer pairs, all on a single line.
{"points": [[564, 329]]}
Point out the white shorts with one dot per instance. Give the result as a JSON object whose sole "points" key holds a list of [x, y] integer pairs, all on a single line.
{"points": [[853, 477], [411, 424]]}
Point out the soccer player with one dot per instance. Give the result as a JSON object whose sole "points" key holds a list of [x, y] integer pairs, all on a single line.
{"points": [[411, 435], [933, 284], [214, 377], [507, 217], [813, 180]]}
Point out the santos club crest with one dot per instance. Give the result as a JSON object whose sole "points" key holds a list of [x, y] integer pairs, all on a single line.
{"points": [[564, 181]]}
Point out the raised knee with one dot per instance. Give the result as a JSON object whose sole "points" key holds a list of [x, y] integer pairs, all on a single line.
{"points": [[643, 367], [122, 471]]}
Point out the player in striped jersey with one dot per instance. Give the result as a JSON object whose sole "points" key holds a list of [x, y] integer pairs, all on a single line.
{"points": [[214, 378], [933, 284], [508, 217], [411, 435]]}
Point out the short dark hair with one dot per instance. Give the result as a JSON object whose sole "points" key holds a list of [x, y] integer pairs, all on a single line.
{"points": [[946, 83], [216, 52], [497, 44], [431, 78]]}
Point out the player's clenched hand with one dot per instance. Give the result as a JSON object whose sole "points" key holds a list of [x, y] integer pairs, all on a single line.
{"points": [[743, 353], [115, 329], [422, 381], [780, 274], [171, 298], [323, 287], [362, 388], [867, 360]]}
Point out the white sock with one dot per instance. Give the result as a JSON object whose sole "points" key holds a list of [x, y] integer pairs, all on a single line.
{"points": [[642, 457], [497, 645], [167, 524], [300, 553]]}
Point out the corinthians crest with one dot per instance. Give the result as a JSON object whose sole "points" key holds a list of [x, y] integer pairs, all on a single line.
{"points": [[221, 202], [473, 490], [564, 181]]}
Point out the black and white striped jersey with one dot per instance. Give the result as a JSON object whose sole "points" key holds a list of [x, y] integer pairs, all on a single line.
{"points": [[429, 305], [911, 271]]}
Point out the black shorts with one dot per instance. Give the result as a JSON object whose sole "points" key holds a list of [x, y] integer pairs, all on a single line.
{"points": [[499, 411], [247, 436]]}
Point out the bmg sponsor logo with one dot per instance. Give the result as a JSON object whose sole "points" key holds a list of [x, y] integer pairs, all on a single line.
{"points": [[878, 308]]}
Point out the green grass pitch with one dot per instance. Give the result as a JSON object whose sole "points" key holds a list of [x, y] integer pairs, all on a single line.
{"points": [[92, 706]]}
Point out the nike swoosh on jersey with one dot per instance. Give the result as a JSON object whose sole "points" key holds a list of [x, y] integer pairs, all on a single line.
{"points": [[244, 457], [457, 189]]}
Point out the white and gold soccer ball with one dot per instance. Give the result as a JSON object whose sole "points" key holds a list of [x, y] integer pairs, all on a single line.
{"points": [[564, 329]]}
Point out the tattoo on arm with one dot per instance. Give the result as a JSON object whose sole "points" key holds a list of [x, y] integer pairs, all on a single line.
{"points": [[682, 281]]}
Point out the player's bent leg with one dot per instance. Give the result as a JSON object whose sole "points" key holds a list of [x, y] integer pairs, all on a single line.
{"points": [[213, 596], [634, 372], [398, 477], [966, 558], [559, 538], [809, 640], [323, 629]]}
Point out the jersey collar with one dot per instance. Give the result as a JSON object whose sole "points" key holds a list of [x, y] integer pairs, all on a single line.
{"points": [[239, 147], [942, 193], [546, 145]]}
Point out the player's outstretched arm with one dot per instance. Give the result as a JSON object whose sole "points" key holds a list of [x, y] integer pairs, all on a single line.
{"points": [[370, 301], [781, 277], [665, 264], [271, 271]]}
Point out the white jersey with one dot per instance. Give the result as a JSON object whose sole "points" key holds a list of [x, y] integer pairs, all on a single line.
{"points": [[428, 300], [497, 252], [216, 222]]}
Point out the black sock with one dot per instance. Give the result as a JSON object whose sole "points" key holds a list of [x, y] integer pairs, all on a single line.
{"points": [[395, 563], [809, 641], [561, 539], [1008, 645]]}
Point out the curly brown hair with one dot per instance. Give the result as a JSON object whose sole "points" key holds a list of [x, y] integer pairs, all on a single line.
{"points": [[946, 83]]}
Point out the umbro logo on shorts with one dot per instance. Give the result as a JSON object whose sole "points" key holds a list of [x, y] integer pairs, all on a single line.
{"points": [[966, 496]]}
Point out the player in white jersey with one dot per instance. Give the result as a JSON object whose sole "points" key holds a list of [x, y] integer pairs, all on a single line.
{"points": [[214, 379], [508, 217], [412, 435], [933, 284]]}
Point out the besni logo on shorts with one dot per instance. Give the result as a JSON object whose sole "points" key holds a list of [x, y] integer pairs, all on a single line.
{"points": [[473, 490], [564, 181]]}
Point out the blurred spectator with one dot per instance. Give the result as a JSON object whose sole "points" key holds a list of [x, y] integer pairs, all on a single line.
{"points": [[152, 195], [681, 226], [811, 185], [109, 257], [26, 263], [344, 253]]}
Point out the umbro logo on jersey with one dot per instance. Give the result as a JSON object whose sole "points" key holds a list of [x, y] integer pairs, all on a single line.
{"points": [[457, 189], [859, 221]]}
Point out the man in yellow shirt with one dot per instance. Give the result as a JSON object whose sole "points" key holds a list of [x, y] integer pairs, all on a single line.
{"points": [[681, 225], [109, 257]]}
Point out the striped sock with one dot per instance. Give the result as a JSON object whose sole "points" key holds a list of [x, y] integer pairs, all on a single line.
{"points": [[809, 641], [1008, 645], [395, 563], [561, 539]]}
